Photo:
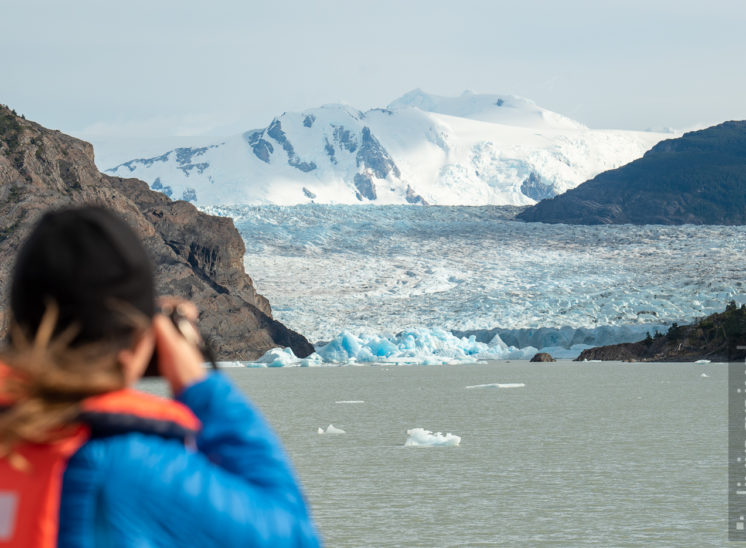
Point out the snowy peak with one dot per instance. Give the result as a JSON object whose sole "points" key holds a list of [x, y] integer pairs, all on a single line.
{"points": [[333, 145], [423, 149], [499, 109]]}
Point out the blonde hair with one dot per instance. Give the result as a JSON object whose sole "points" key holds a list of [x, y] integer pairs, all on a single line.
{"points": [[49, 378]]}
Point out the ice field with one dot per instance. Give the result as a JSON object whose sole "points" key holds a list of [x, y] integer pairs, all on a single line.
{"points": [[392, 283]]}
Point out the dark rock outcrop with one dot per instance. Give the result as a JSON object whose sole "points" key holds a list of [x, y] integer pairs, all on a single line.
{"points": [[716, 337], [309, 194], [365, 186], [184, 157], [535, 188], [197, 256], [261, 147], [344, 138], [275, 131], [696, 179], [413, 198], [374, 157], [542, 357]]}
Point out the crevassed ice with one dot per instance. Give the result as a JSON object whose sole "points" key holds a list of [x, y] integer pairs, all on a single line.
{"points": [[379, 270]]}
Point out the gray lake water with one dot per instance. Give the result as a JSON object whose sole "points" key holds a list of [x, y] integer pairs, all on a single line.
{"points": [[586, 454]]}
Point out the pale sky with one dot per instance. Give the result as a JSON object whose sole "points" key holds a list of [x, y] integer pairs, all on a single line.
{"points": [[103, 69]]}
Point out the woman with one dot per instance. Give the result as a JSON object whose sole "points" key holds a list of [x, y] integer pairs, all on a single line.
{"points": [[85, 460]]}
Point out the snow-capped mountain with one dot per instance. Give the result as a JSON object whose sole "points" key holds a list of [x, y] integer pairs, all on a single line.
{"points": [[468, 150]]}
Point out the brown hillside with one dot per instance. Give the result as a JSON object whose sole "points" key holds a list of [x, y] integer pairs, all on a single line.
{"points": [[197, 256]]}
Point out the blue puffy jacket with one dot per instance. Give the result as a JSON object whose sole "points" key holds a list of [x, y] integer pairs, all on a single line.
{"points": [[236, 489]]}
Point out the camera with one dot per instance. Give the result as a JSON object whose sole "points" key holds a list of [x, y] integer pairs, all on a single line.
{"points": [[189, 331]]}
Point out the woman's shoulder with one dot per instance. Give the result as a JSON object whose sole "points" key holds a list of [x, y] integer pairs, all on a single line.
{"points": [[236, 484], [127, 458]]}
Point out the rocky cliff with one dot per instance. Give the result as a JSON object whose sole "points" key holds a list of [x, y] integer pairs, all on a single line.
{"points": [[718, 337], [197, 256], [696, 179]]}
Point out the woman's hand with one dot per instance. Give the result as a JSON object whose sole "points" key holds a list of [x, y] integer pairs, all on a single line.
{"points": [[179, 360]]}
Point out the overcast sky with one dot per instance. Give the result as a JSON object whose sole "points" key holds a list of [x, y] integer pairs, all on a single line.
{"points": [[99, 68]]}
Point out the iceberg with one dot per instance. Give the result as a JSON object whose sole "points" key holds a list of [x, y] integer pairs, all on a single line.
{"points": [[284, 357], [223, 365], [331, 429], [498, 385], [419, 437], [416, 346]]}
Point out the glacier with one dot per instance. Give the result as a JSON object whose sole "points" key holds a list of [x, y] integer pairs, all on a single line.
{"points": [[396, 284], [474, 149], [375, 269]]}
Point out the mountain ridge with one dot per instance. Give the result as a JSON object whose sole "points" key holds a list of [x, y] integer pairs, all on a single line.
{"points": [[475, 149], [698, 178]]}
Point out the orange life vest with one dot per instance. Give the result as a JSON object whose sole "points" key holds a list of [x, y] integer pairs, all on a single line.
{"points": [[30, 496]]}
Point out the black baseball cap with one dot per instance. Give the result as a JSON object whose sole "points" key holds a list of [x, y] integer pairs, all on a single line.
{"points": [[89, 262]]}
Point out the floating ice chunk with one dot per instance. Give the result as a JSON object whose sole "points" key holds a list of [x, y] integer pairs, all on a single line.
{"points": [[498, 385], [419, 437], [702, 361], [705, 376], [331, 429], [223, 365], [350, 401], [284, 357]]}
